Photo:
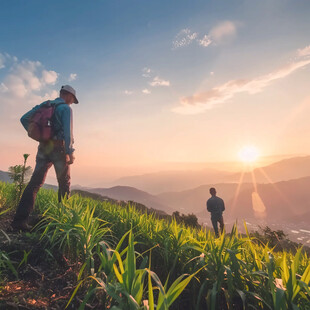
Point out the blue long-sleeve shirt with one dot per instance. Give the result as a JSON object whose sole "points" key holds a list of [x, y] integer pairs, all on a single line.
{"points": [[62, 122]]}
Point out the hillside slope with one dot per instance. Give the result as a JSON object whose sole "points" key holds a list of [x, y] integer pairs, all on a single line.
{"points": [[128, 193]]}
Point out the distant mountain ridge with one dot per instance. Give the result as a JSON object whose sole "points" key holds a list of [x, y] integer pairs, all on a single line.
{"points": [[169, 181], [4, 176], [284, 170], [165, 181]]}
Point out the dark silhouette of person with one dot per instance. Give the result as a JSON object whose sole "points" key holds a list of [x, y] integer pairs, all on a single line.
{"points": [[57, 151], [216, 206]]}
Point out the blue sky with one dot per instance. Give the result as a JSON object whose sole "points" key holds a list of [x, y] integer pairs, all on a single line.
{"points": [[159, 81]]}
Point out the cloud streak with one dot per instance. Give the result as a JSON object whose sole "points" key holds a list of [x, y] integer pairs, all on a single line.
{"points": [[202, 101], [304, 52], [184, 37], [157, 81], [222, 33]]}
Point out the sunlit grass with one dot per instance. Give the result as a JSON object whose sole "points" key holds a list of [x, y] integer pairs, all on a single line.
{"points": [[125, 256]]}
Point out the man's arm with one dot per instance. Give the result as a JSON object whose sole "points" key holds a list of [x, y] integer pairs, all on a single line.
{"points": [[66, 120], [209, 206], [223, 205]]}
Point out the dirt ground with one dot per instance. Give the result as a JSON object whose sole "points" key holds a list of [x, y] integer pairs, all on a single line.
{"points": [[45, 280]]}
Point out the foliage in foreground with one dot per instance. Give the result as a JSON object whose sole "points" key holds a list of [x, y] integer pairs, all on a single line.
{"points": [[124, 257]]}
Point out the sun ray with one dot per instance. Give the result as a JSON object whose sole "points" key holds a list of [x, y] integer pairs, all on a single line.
{"points": [[258, 205], [237, 190], [281, 195]]}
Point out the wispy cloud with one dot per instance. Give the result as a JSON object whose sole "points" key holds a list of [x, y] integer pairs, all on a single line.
{"points": [[203, 101], [221, 33], [303, 52], [184, 37], [157, 81], [72, 77], [128, 92], [146, 72], [146, 91], [205, 41]]}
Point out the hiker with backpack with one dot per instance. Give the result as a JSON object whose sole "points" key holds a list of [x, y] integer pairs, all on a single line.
{"points": [[50, 123], [216, 206]]}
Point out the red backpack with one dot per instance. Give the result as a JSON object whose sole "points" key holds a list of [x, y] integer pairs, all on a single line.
{"points": [[40, 124]]}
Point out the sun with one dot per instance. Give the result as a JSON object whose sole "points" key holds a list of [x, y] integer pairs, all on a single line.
{"points": [[249, 154]]}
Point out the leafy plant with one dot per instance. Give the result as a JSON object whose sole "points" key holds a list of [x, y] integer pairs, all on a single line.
{"points": [[18, 175], [7, 264]]}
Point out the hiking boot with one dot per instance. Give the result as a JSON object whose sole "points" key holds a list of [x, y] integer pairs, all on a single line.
{"points": [[21, 225]]}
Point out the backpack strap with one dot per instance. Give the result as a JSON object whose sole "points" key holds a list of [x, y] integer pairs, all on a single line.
{"points": [[55, 105]]}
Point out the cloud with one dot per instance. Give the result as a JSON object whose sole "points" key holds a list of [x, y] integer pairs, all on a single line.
{"points": [[28, 76], [146, 91], [205, 41], [203, 101], [24, 83], [146, 72], [72, 77], [49, 77], [128, 92], [159, 82], [184, 37], [222, 33], [303, 52]]}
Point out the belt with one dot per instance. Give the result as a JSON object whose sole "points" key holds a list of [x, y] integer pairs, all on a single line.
{"points": [[56, 143]]}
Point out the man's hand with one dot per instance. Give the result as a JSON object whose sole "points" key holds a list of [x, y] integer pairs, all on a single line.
{"points": [[70, 159]]}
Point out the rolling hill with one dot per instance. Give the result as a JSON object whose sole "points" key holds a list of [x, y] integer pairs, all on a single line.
{"points": [[127, 193]]}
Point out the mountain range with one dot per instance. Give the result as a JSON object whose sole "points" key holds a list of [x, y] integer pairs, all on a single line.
{"points": [[167, 181], [281, 190]]}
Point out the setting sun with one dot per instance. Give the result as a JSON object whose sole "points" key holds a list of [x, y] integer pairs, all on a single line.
{"points": [[249, 154]]}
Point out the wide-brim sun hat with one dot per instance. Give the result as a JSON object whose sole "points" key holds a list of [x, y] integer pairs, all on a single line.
{"points": [[70, 90]]}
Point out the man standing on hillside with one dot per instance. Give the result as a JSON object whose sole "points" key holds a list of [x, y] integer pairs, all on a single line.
{"points": [[215, 205], [57, 151]]}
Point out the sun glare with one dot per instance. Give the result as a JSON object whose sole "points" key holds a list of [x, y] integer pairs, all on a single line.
{"points": [[249, 154]]}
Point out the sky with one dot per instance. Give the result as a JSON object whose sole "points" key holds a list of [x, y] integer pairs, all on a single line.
{"points": [[161, 84]]}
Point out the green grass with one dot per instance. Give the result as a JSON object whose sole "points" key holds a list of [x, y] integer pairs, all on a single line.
{"points": [[125, 256]]}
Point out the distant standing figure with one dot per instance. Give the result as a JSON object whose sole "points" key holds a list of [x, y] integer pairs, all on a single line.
{"points": [[215, 205], [57, 151]]}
